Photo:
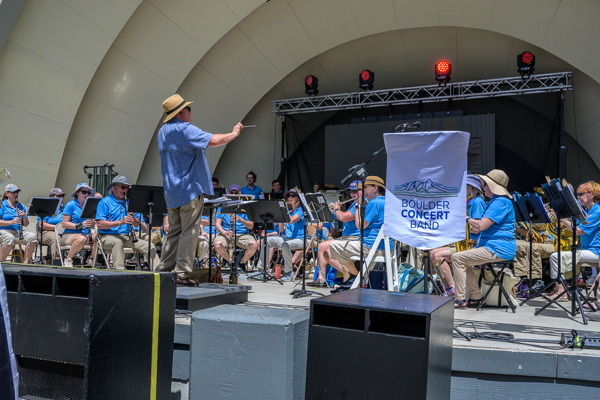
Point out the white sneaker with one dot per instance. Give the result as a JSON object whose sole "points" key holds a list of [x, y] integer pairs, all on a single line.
{"points": [[68, 262]]}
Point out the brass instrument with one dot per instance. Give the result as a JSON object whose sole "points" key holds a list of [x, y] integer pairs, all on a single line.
{"points": [[566, 235], [537, 238], [466, 244]]}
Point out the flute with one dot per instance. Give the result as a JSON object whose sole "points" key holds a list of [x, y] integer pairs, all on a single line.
{"points": [[343, 202]]}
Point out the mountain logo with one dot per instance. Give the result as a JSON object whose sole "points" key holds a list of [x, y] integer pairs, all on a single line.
{"points": [[428, 189]]}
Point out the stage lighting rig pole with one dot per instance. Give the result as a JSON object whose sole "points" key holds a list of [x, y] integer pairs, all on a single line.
{"points": [[283, 159], [562, 159]]}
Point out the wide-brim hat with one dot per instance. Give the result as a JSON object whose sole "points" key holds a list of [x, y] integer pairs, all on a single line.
{"points": [[285, 194], [373, 180], [119, 179], [80, 186], [474, 181], [497, 180], [173, 105]]}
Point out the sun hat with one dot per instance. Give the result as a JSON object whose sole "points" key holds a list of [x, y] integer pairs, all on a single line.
{"points": [[497, 180], [80, 186], [119, 179], [173, 105], [11, 187], [56, 192], [474, 181], [374, 180]]}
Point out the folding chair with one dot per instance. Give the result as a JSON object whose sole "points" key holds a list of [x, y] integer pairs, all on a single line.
{"points": [[59, 230], [390, 258], [498, 280]]}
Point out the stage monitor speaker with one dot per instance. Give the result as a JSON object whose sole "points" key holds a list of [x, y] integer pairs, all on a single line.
{"points": [[82, 334], [373, 344]]}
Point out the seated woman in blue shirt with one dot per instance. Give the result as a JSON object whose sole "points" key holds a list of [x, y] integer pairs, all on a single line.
{"points": [[496, 240]]}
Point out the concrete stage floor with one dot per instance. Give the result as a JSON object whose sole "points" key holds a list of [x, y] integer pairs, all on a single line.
{"points": [[523, 324]]}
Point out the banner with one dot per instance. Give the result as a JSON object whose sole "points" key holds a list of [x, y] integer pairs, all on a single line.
{"points": [[425, 202]]}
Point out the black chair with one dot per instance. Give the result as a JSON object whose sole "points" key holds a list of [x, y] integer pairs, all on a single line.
{"points": [[498, 277]]}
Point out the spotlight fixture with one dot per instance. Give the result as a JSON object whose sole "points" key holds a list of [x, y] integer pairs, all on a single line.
{"points": [[311, 83], [526, 62], [365, 79], [443, 69]]}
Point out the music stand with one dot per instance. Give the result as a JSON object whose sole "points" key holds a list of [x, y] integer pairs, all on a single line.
{"points": [[235, 210], [147, 200], [267, 212], [88, 211], [565, 205], [43, 207], [530, 209]]}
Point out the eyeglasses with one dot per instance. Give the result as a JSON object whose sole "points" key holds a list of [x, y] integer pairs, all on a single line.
{"points": [[582, 193], [353, 191], [189, 108], [123, 187], [58, 195], [234, 192], [292, 195], [82, 192]]}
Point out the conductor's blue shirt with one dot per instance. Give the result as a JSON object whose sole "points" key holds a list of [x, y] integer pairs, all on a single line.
{"points": [[184, 166]]}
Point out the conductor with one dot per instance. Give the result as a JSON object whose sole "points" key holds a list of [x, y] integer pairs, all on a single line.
{"points": [[186, 178]]}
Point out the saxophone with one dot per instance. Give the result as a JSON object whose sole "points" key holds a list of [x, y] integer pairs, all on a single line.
{"points": [[566, 235], [466, 244]]}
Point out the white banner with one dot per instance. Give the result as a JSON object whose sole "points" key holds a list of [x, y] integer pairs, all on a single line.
{"points": [[425, 203]]}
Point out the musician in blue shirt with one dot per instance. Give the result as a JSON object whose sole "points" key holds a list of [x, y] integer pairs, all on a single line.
{"points": [[343, 250], [496, 240], [234, 230], [13, 220], [48, 235], [251, 189], [116, 224]]}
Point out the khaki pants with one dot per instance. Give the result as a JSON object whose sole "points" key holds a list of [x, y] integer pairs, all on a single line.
{"points": [[539, 251], [179, 246], [463, 273], [49, 238], [116, 244]]}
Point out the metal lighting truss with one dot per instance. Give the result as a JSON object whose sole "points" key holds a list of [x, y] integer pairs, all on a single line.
{"points": [[542, 83]]}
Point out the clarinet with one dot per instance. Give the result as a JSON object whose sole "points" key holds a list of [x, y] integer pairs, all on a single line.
{"points": [[20, 218], [132, 236]]}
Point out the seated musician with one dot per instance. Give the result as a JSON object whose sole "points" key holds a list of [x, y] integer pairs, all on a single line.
{"points": [[343, 250], [234, 229], [588, 195], [475, 208], [13, 220], [276, 186], [78, 231], [251, 188], [541, 247], [293, 238], [115, 224], [496, 240], [48, 235], [349, 232]]}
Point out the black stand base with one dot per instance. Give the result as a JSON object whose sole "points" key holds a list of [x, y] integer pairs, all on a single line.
{"points": [[303, 293], [573, 295]]}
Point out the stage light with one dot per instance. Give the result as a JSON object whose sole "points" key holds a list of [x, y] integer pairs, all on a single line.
{"points": [[311, 83], [365, 79], [443, 69], [526, 62]]}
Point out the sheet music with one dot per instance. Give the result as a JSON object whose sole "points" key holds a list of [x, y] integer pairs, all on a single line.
{"points": [[311, 216]]}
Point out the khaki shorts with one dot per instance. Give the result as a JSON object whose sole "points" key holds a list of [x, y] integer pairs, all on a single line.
{"points": [[242, 240]]}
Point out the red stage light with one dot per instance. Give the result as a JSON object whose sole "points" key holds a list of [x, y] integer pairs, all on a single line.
{"points": [[442, 67], [527, 57], [365, 79], [311, 83]]}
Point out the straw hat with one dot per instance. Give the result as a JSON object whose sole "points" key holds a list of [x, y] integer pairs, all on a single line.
{"points": [[374, 180], [497, 180], [173, 105]]}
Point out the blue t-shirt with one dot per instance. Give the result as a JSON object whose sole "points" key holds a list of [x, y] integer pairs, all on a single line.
{"points": [[475, 209], [349, 228], [209, 228], [111, 209], [257, 192], [295, 230], [73, 209], [8, 213], [53, 219], [184, 166], [374, 216], [240, 228], [591, 240], [499, 238]]}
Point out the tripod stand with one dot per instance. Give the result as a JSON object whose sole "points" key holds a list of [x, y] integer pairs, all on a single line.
{"points": [[427, 278], [267, 212], [314, 218], [43, 207], [564, 204]]}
